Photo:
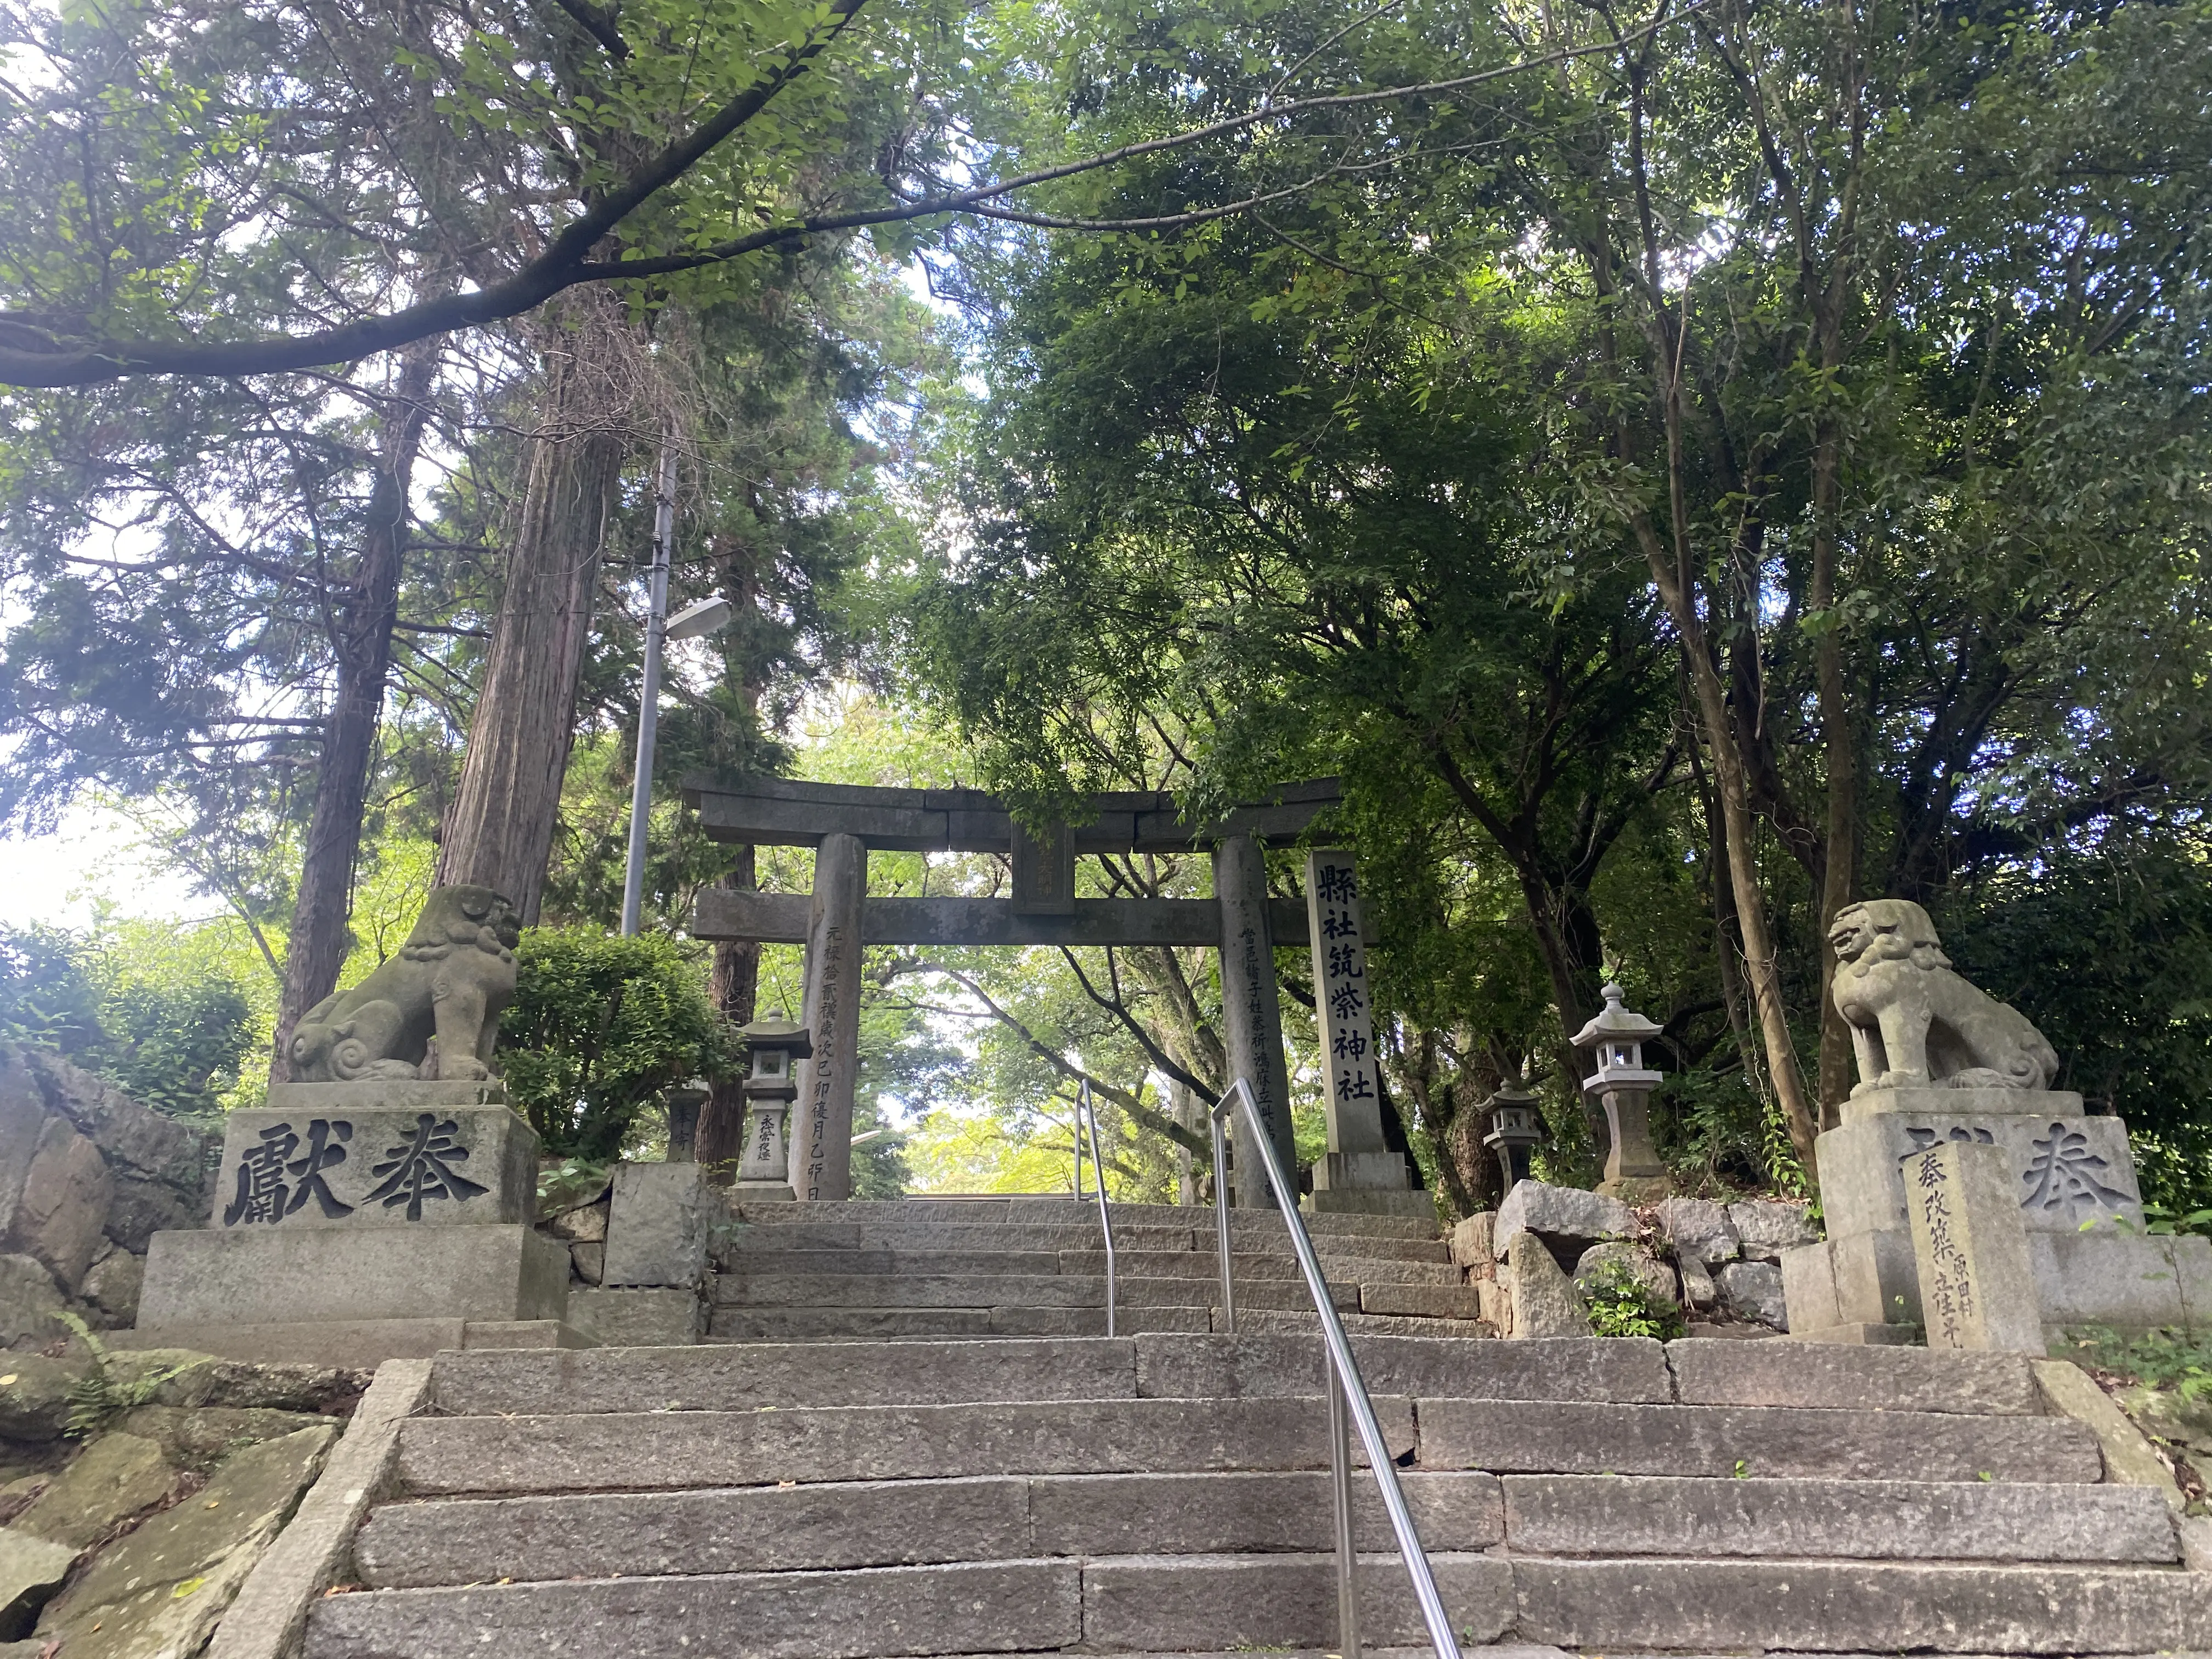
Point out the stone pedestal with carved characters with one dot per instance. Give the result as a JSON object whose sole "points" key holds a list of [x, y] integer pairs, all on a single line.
{"points": [[359, 1220], [2071, 1175]]}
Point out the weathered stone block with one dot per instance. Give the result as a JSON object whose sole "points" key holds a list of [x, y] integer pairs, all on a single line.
{"points": [[1808, 1288], [1720, 1442], [1545, 1302], [1733, 1373], [1473, 1242], [2126, 1281], [111, 1284], [1701, 1291], [265, 1276], [1977, 1287], [1877, 1281], [1753, 1291], [657, 1226], [31, 1570], [651, 1318], [1023, 1606], [29, 1302], [34, 1393], [1766, 1227], [158, 1164], [2066, 1169], [114, 1477], [353, 1155], [1562, 1216], [589, 1261], [161, 1588], [1699, 1230], [63, 1209], [1876, 1520]]}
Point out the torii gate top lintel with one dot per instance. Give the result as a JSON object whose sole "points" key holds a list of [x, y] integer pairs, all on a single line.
{"points": [[792, 812]]}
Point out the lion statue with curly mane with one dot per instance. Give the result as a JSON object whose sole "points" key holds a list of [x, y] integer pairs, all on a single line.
{"points": [[1915, 1023], [451, 981]]}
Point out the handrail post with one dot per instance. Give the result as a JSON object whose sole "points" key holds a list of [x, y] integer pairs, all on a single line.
{"points": [[1087, 1110], [1221, 1218], [1347, 1561], [1345, 1370]]}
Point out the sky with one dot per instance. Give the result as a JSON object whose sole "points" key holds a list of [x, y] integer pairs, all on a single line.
{"points": [[55, 880]]}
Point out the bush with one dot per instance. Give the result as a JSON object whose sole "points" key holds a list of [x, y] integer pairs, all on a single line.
{"points": [[600, 1026], [1620, 1305], [174, 1047]]}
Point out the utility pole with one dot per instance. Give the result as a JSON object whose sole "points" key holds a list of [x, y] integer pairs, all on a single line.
{"points": [[648, 708]]}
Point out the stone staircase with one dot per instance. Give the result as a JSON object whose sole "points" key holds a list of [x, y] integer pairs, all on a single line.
{"points": [[1035, 1267], [1167, 1493]]}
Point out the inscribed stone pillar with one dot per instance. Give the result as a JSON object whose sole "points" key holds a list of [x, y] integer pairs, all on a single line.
{"points": [[822, 1136], [1977, 1283], [1359, 1155], [1250, 1011]]}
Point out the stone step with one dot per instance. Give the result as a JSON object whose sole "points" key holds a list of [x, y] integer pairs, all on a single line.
{"points": [[1165, 1603], [1620, 1371], [755, 1291], [1243, 1266], [1748, 1441], [836, 1525], [899, 1523], [1861, 1607], [1067, 1211], [675, 1451], [1110, 1603], [1190, 1367], [952, 1236], [1134, 1264], [845, 1325], [1584, 1515], [670, 1450]]}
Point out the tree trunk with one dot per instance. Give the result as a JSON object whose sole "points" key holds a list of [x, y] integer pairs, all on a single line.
{"points": [[362, 614], [734, 984], [501, 831], [1839, 868], [1761, 966]]}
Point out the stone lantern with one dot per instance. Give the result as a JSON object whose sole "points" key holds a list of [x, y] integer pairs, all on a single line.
{"points": [[1517, 1128], [1633, 1172], [764, 1162]]}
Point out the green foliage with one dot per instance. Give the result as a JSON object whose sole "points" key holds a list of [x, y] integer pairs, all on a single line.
{"points": [[2165, 1360], [173, 1044], [108, 1392], [1622, 1305], [600, 1026]]}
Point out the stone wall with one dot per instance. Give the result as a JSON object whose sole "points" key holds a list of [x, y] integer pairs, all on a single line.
{"points": [[88, 1176]]}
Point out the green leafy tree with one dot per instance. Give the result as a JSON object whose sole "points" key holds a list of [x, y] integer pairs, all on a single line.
{"points": [[600, 1027]]}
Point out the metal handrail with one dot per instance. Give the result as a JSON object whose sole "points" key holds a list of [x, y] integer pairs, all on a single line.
{"points": [[1347, 1391], [1086, 1114]]}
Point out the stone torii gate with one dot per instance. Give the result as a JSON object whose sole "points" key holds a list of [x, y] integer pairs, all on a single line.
{"points": [[842, 822]]}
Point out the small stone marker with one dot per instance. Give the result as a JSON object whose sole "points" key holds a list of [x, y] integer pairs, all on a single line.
{"points": [[1977, 1283]]}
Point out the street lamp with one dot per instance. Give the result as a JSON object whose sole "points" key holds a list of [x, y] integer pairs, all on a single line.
{"points": [[689, 624]]}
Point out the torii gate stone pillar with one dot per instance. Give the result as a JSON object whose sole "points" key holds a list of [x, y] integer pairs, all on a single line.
{"points": [[822, 1139], [1250, 1011]]}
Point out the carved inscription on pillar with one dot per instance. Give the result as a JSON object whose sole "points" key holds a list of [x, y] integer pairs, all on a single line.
{"points": [[827, 1019]]}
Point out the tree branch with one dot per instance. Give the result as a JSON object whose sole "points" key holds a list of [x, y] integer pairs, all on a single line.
{"points": [[32, 355]]}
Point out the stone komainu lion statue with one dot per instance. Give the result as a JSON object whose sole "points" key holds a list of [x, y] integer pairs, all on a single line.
{"points": [[1914, 1022], [452, 979]]}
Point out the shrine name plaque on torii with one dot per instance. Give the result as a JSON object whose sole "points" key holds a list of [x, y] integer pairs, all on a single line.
{"points": [[843, 822]]}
